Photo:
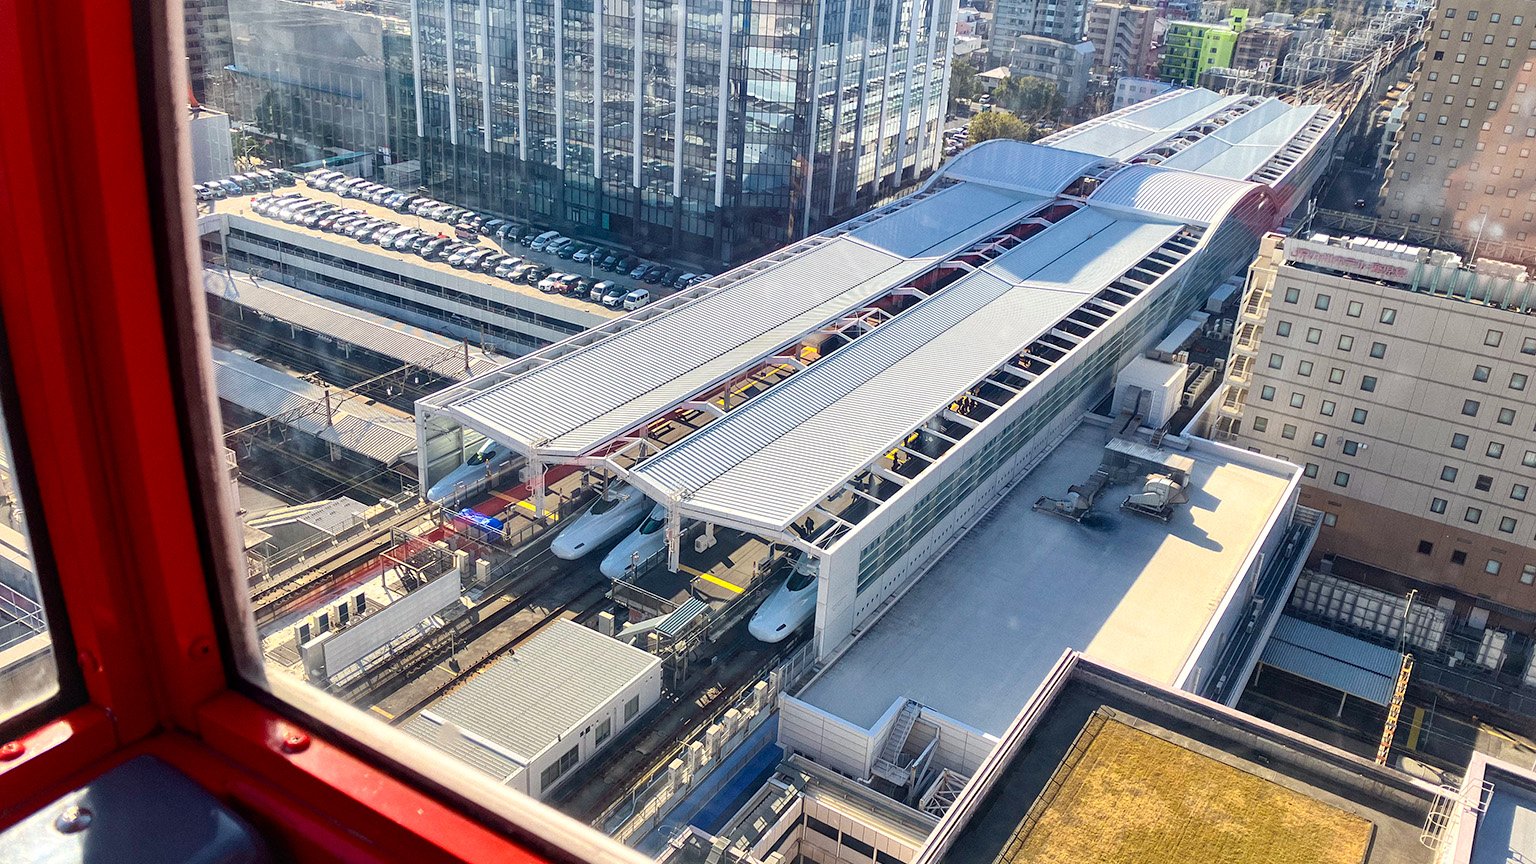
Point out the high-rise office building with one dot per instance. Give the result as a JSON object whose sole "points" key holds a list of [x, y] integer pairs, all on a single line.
{"points": [[1400, 379], [1462, 154], [207, 46], [316, 80], [712, 129]]}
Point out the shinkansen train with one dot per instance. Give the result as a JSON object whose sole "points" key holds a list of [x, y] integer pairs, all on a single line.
{"points": [[616, 512]]}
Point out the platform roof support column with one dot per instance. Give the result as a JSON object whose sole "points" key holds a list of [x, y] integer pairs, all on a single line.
{"points": [[536, 487]]}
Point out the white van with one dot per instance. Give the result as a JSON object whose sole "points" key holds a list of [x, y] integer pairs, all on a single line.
{"points": [[557, 244], [544, 240], [636, 298]]}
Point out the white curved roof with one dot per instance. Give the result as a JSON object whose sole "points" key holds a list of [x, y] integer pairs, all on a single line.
{"points": [[1132, 131], [1183, 196], [1019, 166]]}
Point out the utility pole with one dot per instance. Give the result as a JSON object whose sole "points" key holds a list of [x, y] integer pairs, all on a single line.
{"points": [[1402, 633]]}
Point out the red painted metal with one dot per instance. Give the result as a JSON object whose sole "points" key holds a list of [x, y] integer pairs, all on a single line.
{"points": [[87, 319]]}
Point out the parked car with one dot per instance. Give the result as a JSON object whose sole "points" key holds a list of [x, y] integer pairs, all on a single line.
{"points": [[656, 275], [583, 254], [489, 263], [541, 242], [551, 283], [536, 273], [569, 251], [569, 283], [640, 269], [613, 295], [610, 261], [682, 281], [505, 267], [636, 298], [490, 226], [600, 288], [561, 245]]}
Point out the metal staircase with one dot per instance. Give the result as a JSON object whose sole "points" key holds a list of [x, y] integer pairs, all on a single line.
{"points": [[887, 764]]}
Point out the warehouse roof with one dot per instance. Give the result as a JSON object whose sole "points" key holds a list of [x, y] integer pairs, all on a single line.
{"points": [[354, 326], [501, 718], [376, 431]]}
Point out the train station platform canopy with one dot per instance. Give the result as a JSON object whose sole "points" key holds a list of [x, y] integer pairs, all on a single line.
{"points": [[935, 311], [413, 346], [1239, 137]]}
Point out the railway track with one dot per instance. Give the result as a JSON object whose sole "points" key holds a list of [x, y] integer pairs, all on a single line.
{"points": [[286, 594], [429, 654]]}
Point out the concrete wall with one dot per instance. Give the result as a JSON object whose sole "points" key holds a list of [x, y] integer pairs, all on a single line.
{"points": [[817, 847], [647, 686], [830, 740]]}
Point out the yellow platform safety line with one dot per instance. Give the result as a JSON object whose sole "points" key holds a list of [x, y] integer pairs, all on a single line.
{"points": [[548, 514], [1416, 727], [711, 578], [385, 714]]}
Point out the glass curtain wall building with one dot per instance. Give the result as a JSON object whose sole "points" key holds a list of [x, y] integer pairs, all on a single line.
{"points": [[715, 130]]}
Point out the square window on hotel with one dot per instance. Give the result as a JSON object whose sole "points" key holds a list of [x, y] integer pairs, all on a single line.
{"points": [[1437, 505], [1519, 491], [1260, 424], [1288, 432], [1310, 470], [1314, 335], [1341, 478], [1327, 408], [1507, 524], [1304, 368], [1354, 309], [1483, 483], [1368, 383], [1267, 393], [1358, 416], [1346, 342], [1283, 329], [1335, 375], [1298, 400], [1506, 417], [1469, 407], [1321, 302], [1351, 447], [1473, 515], [1319, 439], [1388, 315], [1448, 473], [1493, 338], [1481, 373], [1292, 295], [1458, 441], [1378, 350], [1495, 450], [1276, 361]]}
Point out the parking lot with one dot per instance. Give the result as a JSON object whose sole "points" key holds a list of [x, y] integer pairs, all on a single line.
{"points": [[441, 234]]}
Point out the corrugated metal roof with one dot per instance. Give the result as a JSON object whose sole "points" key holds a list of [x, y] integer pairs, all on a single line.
{"points": [[931, 227], [376, 431], [526, 702], [1181, 195], [354, 326], [769, 461], [588, 396], [679, 620], [1021, 167], [1333, 659], [1239, 149]]}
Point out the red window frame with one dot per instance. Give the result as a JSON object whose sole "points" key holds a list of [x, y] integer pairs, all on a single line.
{"points": [[95, 273]]}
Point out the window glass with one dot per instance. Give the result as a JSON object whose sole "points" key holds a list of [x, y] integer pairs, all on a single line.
{"points": [[29, 670], [1368, 383], [1458, 441]]}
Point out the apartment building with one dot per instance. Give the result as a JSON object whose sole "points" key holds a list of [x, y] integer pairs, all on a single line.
{"points": [[1461, 156], [1124, 37], [206, 26], [1191, 47], [1400, 379]]}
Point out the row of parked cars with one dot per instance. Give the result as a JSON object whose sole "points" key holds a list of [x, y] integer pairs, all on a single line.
{"points": [[295, 208], [467, 223], [245, 184]]}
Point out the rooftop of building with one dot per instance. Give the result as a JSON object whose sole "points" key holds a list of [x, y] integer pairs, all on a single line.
{"points": [[405, 263], [1499, 822], [502, 717], [450, 358], [1432, 272], [981, 630], [1105, 765]]}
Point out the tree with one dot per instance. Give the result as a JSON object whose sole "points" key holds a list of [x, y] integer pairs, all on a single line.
{"points": [[999, 124], [1030, 97], [962, 84]]}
